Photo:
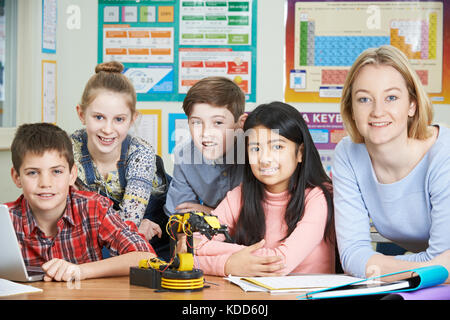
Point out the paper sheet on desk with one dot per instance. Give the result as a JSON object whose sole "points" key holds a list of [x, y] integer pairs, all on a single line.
{"points": [[9, 288], [293, 283], [246, 286]]}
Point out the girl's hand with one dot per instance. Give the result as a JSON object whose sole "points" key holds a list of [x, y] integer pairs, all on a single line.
{"points": [[182, 246], [61, 270], [245, 263], [181, 243], [149, 229], [189, 206]]}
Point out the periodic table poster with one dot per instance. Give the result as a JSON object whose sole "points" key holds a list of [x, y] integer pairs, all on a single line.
{"points": [[323, 39], [167, 46]]}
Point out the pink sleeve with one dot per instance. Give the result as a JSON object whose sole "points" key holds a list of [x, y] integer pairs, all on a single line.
{"points": [[306, 236], [211, 255]]}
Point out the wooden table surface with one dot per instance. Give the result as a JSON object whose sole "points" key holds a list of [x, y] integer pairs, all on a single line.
{"points": [[119, 288]]}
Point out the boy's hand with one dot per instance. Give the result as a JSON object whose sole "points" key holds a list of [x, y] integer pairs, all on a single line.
{"points": [[149, 229], [61, 270], [189, 206], [245, 263]]}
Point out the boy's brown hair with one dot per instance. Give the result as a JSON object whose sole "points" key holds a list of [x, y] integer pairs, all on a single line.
{"points": [[38, 138], [218, 92]]}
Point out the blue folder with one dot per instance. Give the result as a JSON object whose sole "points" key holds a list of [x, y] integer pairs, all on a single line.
{"points": [[417, 278]]}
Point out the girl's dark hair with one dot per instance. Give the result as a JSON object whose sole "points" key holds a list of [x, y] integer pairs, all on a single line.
{"points": [[251, 227]]}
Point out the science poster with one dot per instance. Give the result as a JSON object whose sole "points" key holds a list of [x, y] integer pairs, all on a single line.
{"points": [[166, 46], [323, 39]]}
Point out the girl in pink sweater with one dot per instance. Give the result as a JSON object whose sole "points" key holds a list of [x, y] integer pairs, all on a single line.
{"points": [[281, 216]]}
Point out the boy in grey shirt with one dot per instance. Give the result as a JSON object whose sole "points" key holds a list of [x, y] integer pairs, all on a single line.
{"points": [[211, 163]]}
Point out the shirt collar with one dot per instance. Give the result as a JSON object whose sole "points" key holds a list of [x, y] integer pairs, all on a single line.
{"points": [[68, 213], [29, 222]]}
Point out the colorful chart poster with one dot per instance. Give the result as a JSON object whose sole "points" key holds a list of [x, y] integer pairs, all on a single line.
{"points": [[158, 40], [323, 39], [326, 130], [220, 22], [141, 45], [196, 63]]}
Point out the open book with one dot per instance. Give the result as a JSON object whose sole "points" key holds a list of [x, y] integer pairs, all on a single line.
{"points": [[291, 283], [413, 279]]}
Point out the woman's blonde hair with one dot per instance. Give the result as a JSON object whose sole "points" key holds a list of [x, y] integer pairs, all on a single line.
{"points": [[387, 55], [108, 76]]}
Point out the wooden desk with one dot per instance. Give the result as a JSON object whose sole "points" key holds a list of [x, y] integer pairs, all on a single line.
{"points": [[119, 288]]}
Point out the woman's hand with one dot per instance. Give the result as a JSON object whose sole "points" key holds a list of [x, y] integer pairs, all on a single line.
{"points": [[444, 260], [245, 263]]}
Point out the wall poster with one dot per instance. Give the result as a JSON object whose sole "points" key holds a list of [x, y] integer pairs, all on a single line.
{"points": [[168, 45], [48, 91], [323, 38]]}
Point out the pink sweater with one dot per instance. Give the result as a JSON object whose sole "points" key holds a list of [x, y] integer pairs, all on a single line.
{"points": [[305, 250]]}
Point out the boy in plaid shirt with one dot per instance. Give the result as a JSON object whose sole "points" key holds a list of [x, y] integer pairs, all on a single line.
{"points": [[59, 228]]}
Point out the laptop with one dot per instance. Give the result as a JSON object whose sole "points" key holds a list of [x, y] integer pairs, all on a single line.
{"points": [[12, 266]]}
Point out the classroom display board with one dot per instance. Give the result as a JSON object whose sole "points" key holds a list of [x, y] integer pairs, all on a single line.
{"points": [[323, 39], [168, 45]]}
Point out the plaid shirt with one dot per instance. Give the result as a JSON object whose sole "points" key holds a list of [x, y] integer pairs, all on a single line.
{"points": [[87, 225]]}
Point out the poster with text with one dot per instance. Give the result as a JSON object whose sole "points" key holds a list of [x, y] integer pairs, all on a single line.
{"points": [[326, 130], [48, 91], [323, 39], [152, 39]]}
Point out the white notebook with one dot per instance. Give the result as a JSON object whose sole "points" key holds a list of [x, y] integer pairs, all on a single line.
{"points": [[293, 283], [9, 288]]}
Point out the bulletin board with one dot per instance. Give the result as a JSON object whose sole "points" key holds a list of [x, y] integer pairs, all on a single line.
{"points": [[167, 46], [323, 39]]}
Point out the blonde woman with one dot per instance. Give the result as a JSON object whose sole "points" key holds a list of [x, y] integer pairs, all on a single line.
{"points": [[393, 169]]}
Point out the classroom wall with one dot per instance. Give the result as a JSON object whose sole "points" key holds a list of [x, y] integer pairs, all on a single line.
{"points": [[76, 57]]}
